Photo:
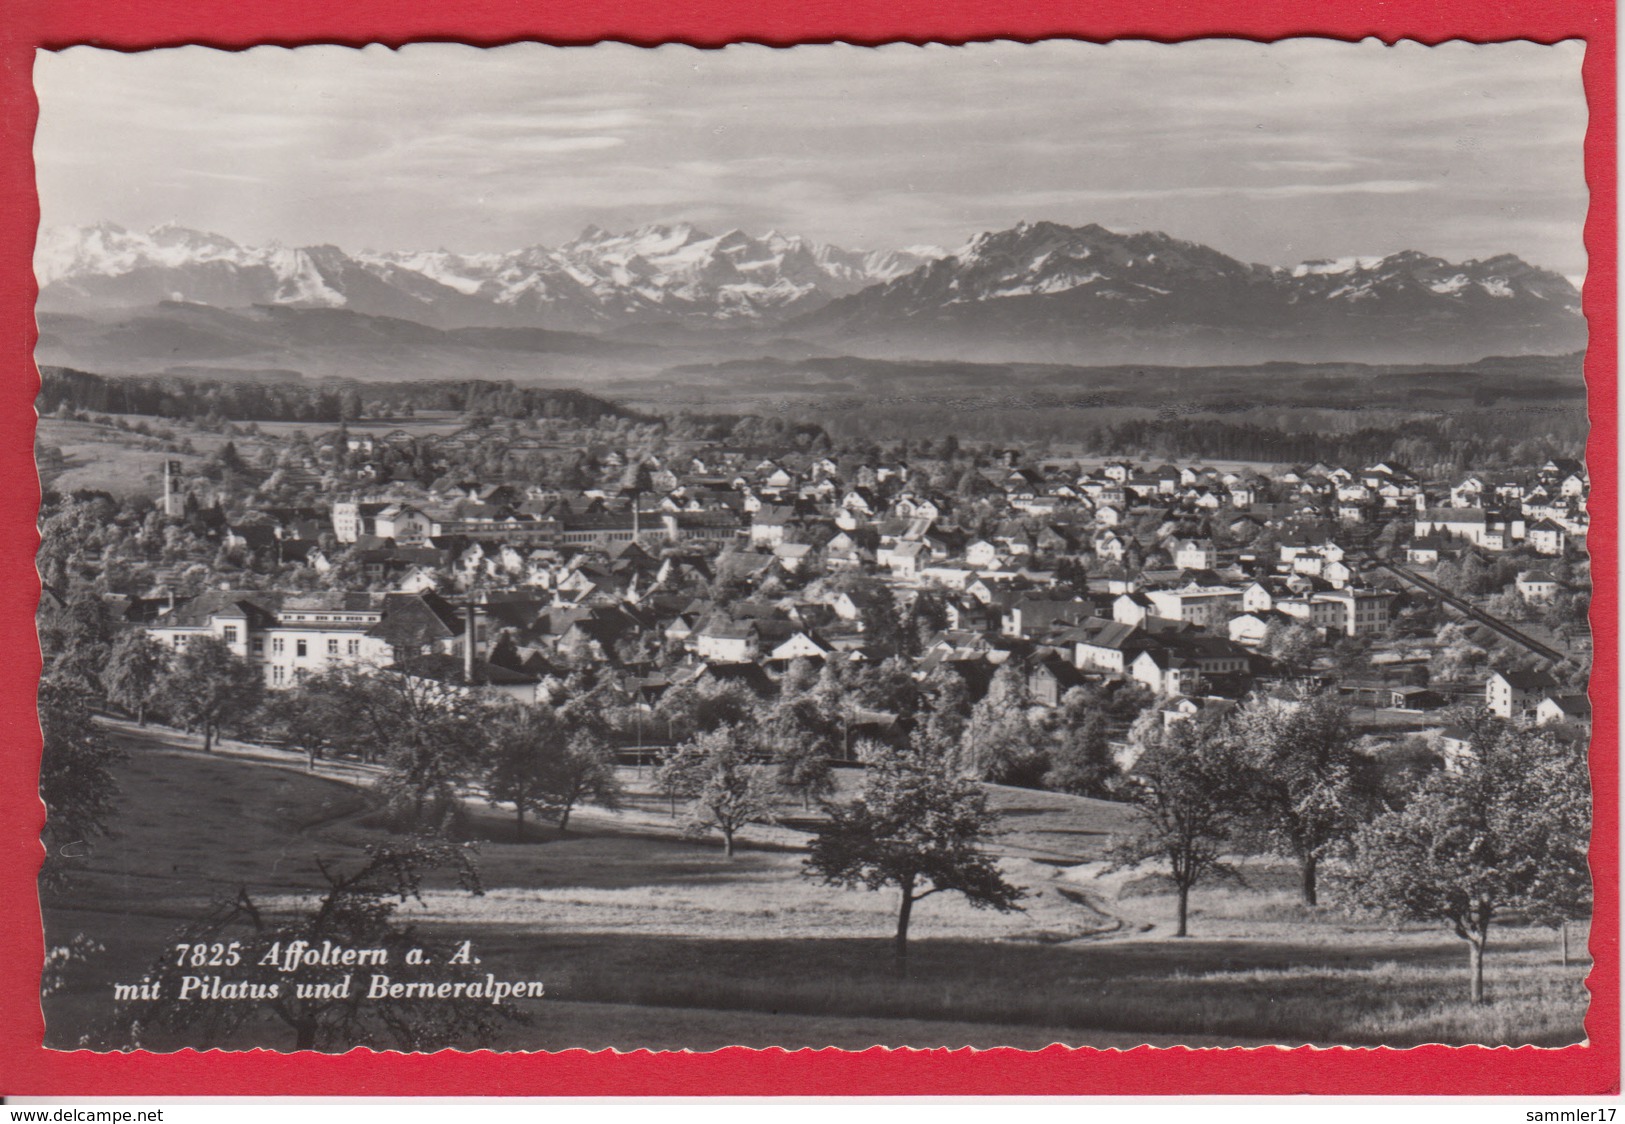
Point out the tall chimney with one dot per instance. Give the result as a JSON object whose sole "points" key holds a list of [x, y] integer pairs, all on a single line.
{"points": [[468, 643]]}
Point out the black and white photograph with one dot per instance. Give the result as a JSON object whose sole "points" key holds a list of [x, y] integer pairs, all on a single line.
{"points": [[920, 546]]}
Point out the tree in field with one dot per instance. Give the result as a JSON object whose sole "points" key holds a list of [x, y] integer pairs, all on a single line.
{"points": [[945, 705], [356, 909], [999, 743], [1307, 787], [584, 773], [725, 790], [688, 710], [1080, 762], [422, 730], [208, 687], [76, 783], [917, 827], [312, 716], [134, 674], [1185, 789], [1504, 835], [802, 741], [521, 745]]}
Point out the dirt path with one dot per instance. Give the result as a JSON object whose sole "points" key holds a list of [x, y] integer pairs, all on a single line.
{"points": [[1138, 918]]}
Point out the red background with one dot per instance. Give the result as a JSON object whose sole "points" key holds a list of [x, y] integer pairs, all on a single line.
{"points": [[26, 1068]]}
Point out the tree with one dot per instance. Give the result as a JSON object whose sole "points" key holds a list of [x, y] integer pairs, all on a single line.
{"points": [[311, 716], [1308, 788], [76, 783], [423, 731], [802, 742], [134, 674], [356, 910], [209, 687], [944, 704], [1504, 834], [75, 640], [726, 791], [584, 773], [1184, 789], [1081, 761], [1294, 644], [432, 746], [522, 744], [999, 743], [916, 827]]}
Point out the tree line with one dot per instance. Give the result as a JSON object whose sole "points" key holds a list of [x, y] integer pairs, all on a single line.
{"points": [[1500, 833], [295, 400]]}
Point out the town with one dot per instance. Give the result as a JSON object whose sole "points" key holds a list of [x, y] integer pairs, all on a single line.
{"points": [[656, 631], [1187, 585]]}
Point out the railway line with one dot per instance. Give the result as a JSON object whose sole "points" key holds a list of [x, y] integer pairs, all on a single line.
{"points": [[1468, 609]]}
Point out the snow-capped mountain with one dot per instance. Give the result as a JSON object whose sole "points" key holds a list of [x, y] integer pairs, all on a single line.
{"points": [[1036, 292], [597, 281], [1052, 292]]}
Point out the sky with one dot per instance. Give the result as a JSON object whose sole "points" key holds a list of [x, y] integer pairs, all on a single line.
{"points": [[1273, 153]]}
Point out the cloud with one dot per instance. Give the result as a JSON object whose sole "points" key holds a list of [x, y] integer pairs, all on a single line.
{"points": [[1303, 148]]}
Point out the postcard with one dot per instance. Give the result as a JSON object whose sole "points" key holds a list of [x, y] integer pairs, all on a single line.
{"points": [[1011, 544]]}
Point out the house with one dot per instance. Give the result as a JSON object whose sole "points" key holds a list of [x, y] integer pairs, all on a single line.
{"points": [[1048, 681], [405, 524], [1536, 586], [1427, 550], [1251, 629], [1202, 606], [1547, 537], [1455, 745], [1360, 612], [726, 641], [907, 559], [1109, 647], [793, 556], [1564, 710], [982, 555], [1133, 608], [801, 645], [1165, 672], [489, 679], [1257, 598], [1031, 617], [770, 523], [1474, 524], [290, 636], [1516, 694], [1195, 554]]}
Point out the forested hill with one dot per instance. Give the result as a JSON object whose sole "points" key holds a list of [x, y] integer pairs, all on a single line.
{"points": [[293, 399]]}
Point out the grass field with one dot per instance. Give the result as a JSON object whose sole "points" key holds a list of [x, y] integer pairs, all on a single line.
{"points": [[648, 939], [103, 458]]}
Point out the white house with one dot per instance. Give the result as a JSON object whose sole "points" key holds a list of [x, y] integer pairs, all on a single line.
{"points": [[1516, 694]]}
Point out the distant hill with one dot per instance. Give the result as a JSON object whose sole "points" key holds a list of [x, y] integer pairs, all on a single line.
{"points": [[324, 343]]}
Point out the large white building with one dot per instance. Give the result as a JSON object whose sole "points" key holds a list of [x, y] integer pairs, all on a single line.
{"points": [[292, 636]]}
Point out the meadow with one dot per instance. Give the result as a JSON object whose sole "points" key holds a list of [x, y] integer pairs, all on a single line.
{"points": [[649, 939]]}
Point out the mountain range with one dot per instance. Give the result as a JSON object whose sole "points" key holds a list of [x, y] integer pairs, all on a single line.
{"points": [[1037, 292], [598, 281]]}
